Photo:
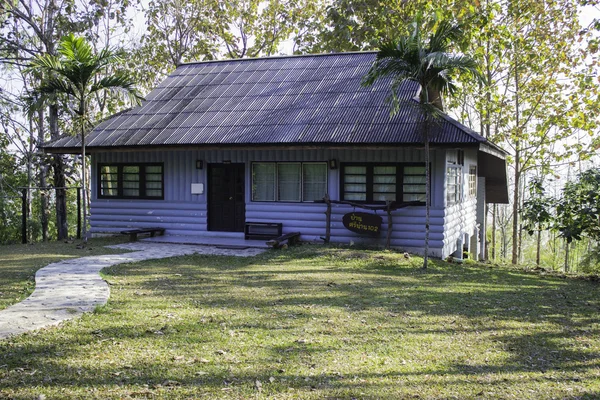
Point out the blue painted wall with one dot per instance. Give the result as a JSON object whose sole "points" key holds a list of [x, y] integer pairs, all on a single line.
{"points": [[183, 213]]}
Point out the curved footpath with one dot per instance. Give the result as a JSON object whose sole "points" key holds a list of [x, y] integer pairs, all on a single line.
{"points": [[66, 289]]}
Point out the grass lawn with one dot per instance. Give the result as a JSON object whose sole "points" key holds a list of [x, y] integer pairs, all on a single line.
{"points": [[19, 262], [313, 323]]}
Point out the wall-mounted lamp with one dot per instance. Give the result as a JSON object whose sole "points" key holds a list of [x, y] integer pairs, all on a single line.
{"points": [[199, 164], [226, 161], [333, 163]]}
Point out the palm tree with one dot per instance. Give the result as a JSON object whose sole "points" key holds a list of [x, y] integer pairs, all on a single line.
{"points": [[428, 62], [77, 74]]}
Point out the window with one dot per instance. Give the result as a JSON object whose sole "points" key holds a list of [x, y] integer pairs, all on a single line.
{"points": [[413, 183], [378, 183], [473, 181], [289, 177], [264, 178], [131, 181], [455, 157], [289, 181], [454, 162], [314, 181], [355, 183], [384, 183], [453, 184]]}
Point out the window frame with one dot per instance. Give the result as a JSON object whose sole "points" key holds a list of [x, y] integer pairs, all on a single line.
{"points": [[472, 181], [142, 181], [277, 163], [455, 160], [370, 180], [458, 194]]}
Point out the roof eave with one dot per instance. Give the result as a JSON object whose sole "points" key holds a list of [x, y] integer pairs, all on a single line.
{"points": [[493, 149], [241, 146]]}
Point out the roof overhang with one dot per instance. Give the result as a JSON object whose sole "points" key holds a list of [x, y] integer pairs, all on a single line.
{"points": [[492, 166], [261, 146]]}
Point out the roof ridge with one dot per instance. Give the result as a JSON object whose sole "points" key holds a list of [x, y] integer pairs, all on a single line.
{"points": [[280, 57]]}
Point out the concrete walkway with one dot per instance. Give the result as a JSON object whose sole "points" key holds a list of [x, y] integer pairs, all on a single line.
{"points": [[66, 289]]}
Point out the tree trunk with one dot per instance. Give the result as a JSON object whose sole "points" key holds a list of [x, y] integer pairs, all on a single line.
{"points": [[435, 97], [517, 176], [83, 182], [62, 226], [515, 212], [494, 213], [58, 165], [44, 203], [504, 235], [539, 245], [567, 245], [427, 200], [426, 96], [30, 167], [554, 251]]}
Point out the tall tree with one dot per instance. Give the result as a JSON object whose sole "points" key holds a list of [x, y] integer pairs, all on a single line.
{"points": [[350, 25], [78, 74], [428, 61], [253, 28], [176, 32], [30, 28], [538, 94]]}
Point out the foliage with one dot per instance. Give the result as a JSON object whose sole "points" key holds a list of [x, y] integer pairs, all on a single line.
{"points": [[252, 28], [12, 176], [31, 29], [536, 211], [186, 31], [348, 25], [536, 95], [590, 263], [77, 73], [578, 210], [177, 31], [315, 322]]}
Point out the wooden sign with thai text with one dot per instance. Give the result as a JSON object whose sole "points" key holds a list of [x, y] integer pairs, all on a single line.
{"points": [[365, 223]]}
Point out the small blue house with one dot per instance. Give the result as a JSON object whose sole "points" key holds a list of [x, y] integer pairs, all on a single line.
{"points": [[222, 143]]}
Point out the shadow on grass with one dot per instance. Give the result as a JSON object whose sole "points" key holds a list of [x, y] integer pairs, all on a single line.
{"points": [[297, 295]]}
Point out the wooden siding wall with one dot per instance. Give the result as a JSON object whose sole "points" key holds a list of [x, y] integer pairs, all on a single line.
{"points": [[460, 219], [182, 213]]}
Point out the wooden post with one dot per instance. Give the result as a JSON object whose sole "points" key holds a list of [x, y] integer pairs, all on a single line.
{"points": [[24, 217], [78, 213], [327, 219], [390, 224]]}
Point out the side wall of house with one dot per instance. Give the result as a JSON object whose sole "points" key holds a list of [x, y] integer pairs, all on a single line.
{"points": [[460, 219], [183, 213]]}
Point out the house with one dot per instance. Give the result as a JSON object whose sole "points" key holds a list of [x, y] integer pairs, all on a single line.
{"points": [[222, 143]]}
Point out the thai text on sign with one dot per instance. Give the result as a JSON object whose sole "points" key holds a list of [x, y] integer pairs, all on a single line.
{"points": [[360, 222]]}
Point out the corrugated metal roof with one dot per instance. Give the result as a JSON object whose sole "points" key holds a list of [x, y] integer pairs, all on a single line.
{"points": [[305, 100]]}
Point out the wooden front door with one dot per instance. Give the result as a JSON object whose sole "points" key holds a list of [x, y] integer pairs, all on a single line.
{"points": [[226, 200]]}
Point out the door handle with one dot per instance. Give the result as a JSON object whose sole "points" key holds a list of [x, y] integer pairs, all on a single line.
{"points": [[231, 198]]}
